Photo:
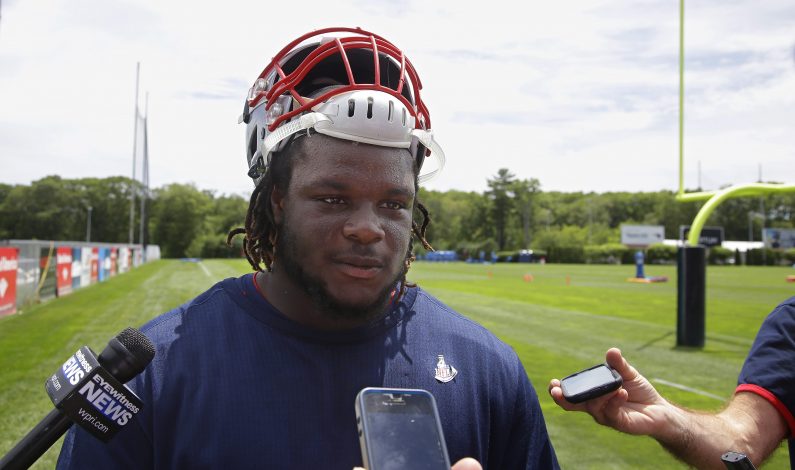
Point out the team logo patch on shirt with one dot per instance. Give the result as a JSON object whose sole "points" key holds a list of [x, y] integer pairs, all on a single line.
{"points": [[444, 372]]}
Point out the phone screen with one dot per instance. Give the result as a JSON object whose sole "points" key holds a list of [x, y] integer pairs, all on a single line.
{"points": [[589, 379], [402, 432]]}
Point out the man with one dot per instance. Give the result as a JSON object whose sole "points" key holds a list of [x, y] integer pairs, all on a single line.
{"points": [[262, 371], [754, 422]]}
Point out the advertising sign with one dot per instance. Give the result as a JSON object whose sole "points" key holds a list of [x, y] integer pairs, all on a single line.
{"points": [[124, 260], [709, 236], [94, 265], [104, 264], [28, 274], [77, 268], [783, 238], [85, 269], [48, 285], [63, 269], [114, 261], [642, 235], [8, 281]]}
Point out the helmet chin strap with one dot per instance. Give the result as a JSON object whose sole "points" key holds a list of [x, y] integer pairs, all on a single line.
{"points": [[426, 138]]}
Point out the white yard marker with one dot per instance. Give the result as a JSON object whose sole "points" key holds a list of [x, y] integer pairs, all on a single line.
{"points": [[204, 268]]}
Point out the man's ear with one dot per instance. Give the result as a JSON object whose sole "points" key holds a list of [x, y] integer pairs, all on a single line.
{"points": [[277, 205]]}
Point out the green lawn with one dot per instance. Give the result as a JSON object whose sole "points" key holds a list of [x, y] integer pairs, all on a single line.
{"points": [[35, 343], [560, 322], [569, 315]]}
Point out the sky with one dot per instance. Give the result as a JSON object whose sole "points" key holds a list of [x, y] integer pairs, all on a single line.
{"points": [[582, 95]]}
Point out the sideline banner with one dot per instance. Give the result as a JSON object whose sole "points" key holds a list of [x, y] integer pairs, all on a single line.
{"points": [[642, 235], [783, 238], [63, 266], [48, 279], [28, 274], [710, 236], [77, 267], [114, 255], [8, 280], [124, 259], [104, 264], [85, 266], [94, 265]]}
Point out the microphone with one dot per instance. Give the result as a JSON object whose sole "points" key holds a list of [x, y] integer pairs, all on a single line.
{"points": [[88, 390]]}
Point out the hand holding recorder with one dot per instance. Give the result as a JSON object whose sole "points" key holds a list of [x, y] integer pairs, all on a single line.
{"points": [[634, 408], [699, 439]]}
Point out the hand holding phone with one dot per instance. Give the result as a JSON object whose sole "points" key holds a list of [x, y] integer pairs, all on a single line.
{"points": [[736, 461], [590, 383], [400, 429]]}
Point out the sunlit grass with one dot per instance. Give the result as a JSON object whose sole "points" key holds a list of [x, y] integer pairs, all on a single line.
{"points": [[562, 318], [559, 319]]}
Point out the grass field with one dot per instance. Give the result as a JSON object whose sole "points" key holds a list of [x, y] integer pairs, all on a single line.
{"points": [[561, 321]]}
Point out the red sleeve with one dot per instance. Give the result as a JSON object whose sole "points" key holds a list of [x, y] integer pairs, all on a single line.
{"points": [[773, 400]]}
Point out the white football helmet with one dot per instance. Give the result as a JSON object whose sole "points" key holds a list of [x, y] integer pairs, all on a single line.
{"points": [[343, 82]]}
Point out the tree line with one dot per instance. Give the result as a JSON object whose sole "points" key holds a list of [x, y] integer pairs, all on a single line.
{"points": [[183, 219], [516, 214], [511, 214]]}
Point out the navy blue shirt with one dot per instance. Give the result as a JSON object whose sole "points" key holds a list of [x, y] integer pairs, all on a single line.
{"points": [[236, 384], [769, 369]]}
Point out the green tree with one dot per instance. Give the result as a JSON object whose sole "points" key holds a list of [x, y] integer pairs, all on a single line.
{"points": [[452, 217], [4, 190], [54, 208], [178, 217], [109, 199], [224, 214], [502, 204], [48, 209], [524, 192]]}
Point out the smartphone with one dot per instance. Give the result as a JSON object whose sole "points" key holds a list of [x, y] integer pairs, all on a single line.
{"points": [[400, 429], [590, 383]]}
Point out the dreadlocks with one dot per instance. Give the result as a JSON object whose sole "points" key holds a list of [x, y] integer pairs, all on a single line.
{"points": [[260, 231]]}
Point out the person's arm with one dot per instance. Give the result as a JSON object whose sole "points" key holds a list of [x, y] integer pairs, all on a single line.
{"points": [[749, 424]]}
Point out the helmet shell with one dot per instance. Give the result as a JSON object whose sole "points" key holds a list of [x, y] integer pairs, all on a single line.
{"points": [[355, 85]]}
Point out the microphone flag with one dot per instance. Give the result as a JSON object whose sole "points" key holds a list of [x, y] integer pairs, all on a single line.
{"points": [[93, 398]]}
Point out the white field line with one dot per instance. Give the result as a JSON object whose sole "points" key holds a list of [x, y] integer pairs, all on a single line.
{"points": [[204, 268], [688, 389]]}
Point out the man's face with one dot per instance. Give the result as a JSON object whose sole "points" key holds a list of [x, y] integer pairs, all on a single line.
{"points": [[345, 223]]}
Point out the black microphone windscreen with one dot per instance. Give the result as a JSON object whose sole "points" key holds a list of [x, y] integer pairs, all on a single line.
{"points": [[138, 344]]}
